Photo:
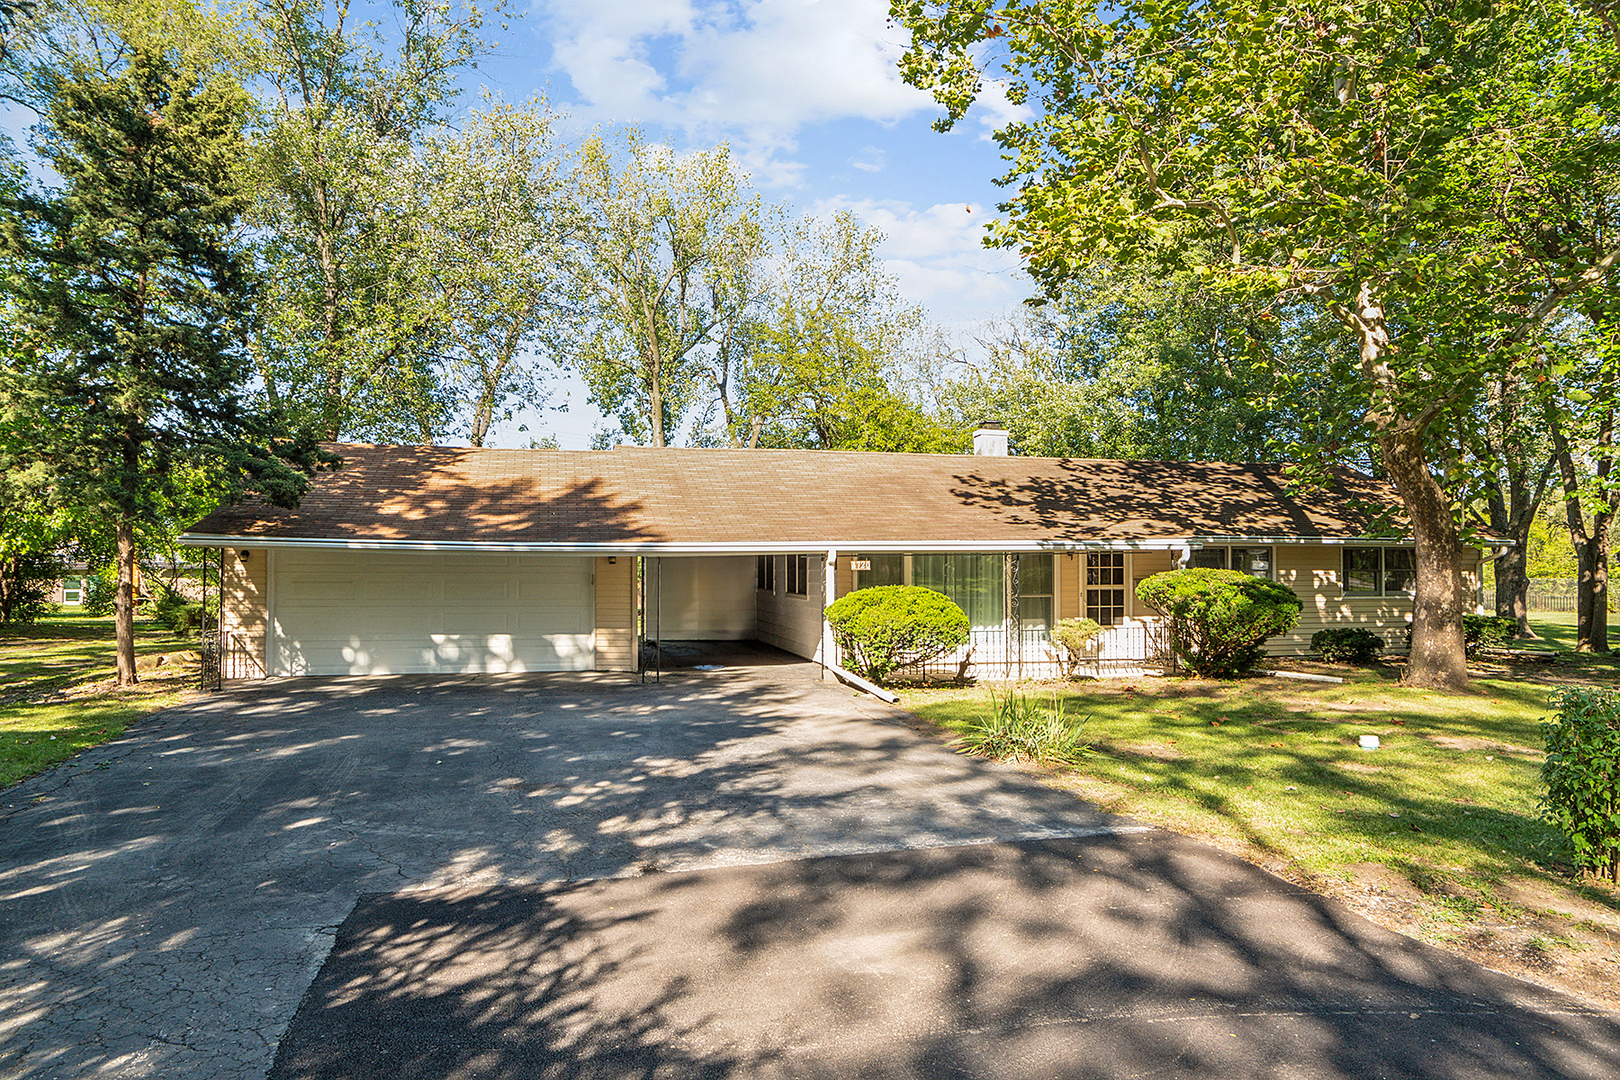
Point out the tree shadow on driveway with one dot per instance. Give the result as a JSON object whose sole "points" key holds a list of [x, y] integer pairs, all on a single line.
{"points": [[1121, 956]]}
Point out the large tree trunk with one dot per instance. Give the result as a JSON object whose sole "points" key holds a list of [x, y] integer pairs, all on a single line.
{"points": [[1513, 585], [1437, 658], [1591, 547], [124, 602]]}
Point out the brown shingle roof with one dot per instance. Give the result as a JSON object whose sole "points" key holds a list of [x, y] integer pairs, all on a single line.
{"points": [[792, 497]]}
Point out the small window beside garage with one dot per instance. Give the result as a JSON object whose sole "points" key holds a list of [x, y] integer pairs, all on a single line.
{"points": [[798, 575], [765, 573]]}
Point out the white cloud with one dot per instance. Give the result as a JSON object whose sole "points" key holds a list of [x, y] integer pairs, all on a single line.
{"points": [[938, 257], [761, 68], [870, 159]]}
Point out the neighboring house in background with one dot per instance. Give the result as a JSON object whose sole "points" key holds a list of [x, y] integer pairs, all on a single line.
{"points": [[70, 590], [435, 559]]}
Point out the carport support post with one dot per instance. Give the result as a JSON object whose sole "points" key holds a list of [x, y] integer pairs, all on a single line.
{"points": [[829, 587], [658, 622]]}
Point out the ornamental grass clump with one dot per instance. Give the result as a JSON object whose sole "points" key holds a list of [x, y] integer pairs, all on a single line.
{"points": [[1581, 775], [883, 629], [1219, 619], [1021, 728]]}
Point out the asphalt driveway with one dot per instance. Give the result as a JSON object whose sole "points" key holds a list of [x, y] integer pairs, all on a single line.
{"points": [[168, 898], [729, 874]]}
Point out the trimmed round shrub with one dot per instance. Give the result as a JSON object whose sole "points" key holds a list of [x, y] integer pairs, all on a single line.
{"points": [[888, 627], [1074, 638], [1347, 645], [1219, 619]]}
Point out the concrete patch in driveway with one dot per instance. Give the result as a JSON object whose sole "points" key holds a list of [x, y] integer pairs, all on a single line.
{"points": [[164, 914], [1122, 956]]}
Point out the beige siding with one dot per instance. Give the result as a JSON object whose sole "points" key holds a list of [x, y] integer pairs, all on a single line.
{"points": [[791, 622], [843, 577], [246, 603], [1140, 565], [616, 615], [1070, 570], [1312, 571]]}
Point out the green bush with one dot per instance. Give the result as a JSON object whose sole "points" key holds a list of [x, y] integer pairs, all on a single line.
{"points": [[99, 590], [1581, 775], [175, 613], [26, 584], [1347, 645], [1073, 638], [1021, 729], [1482, 631], [888, 627], [1220, 618]]}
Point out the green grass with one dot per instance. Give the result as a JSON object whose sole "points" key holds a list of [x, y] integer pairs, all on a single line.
{"points": [[56, 696], [1272, 768]]}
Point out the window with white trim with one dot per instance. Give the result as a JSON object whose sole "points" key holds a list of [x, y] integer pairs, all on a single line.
{"points": [[1379, 571], [1105, 587], [765, 573], [1255, 561], [72, 590]]}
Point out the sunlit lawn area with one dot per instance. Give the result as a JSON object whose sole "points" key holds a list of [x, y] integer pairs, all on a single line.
{"points": [[56, 695], [1446, 807]]}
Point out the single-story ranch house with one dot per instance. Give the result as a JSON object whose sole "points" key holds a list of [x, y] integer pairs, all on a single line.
{"points": [[437, 559]]}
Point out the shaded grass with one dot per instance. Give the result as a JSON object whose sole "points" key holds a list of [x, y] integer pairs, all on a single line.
{"points": [[1272, 768], [57, 695]]}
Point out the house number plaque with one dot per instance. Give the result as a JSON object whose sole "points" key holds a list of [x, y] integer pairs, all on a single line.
{"points": [[860, 564]]}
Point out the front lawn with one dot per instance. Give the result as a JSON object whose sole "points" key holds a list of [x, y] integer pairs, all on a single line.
{"points": [[57, 694], [1439, 825]]}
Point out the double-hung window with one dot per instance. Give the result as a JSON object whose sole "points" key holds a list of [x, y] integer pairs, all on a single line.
{"points": [[798, 575], [1379, 571]]}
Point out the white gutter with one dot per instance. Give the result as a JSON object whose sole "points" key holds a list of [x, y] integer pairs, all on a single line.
{"points": [[648, 547]]}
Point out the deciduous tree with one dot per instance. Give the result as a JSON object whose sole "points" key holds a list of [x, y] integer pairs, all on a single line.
{"points": [[1387, 161]]}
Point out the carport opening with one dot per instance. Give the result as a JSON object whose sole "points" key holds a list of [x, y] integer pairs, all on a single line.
{"points": [[720, 612]]}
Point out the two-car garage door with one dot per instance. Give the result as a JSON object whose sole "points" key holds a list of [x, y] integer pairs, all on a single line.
{"points": [[345, 612]]}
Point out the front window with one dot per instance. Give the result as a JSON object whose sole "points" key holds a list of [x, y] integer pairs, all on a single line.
{"points": [[1105, 587], [1035, 592], [1379, 571], [1254, 561], [1400, 571], [72, 591]]}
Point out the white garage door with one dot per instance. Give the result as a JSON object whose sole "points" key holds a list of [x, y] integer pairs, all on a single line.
{"points": [[378, 613]]}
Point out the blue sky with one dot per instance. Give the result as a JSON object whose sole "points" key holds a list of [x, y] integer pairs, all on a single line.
{"points": [[808, 95]]}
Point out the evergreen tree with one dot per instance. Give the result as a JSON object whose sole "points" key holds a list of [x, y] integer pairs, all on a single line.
{"points": [[131, 293]]}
